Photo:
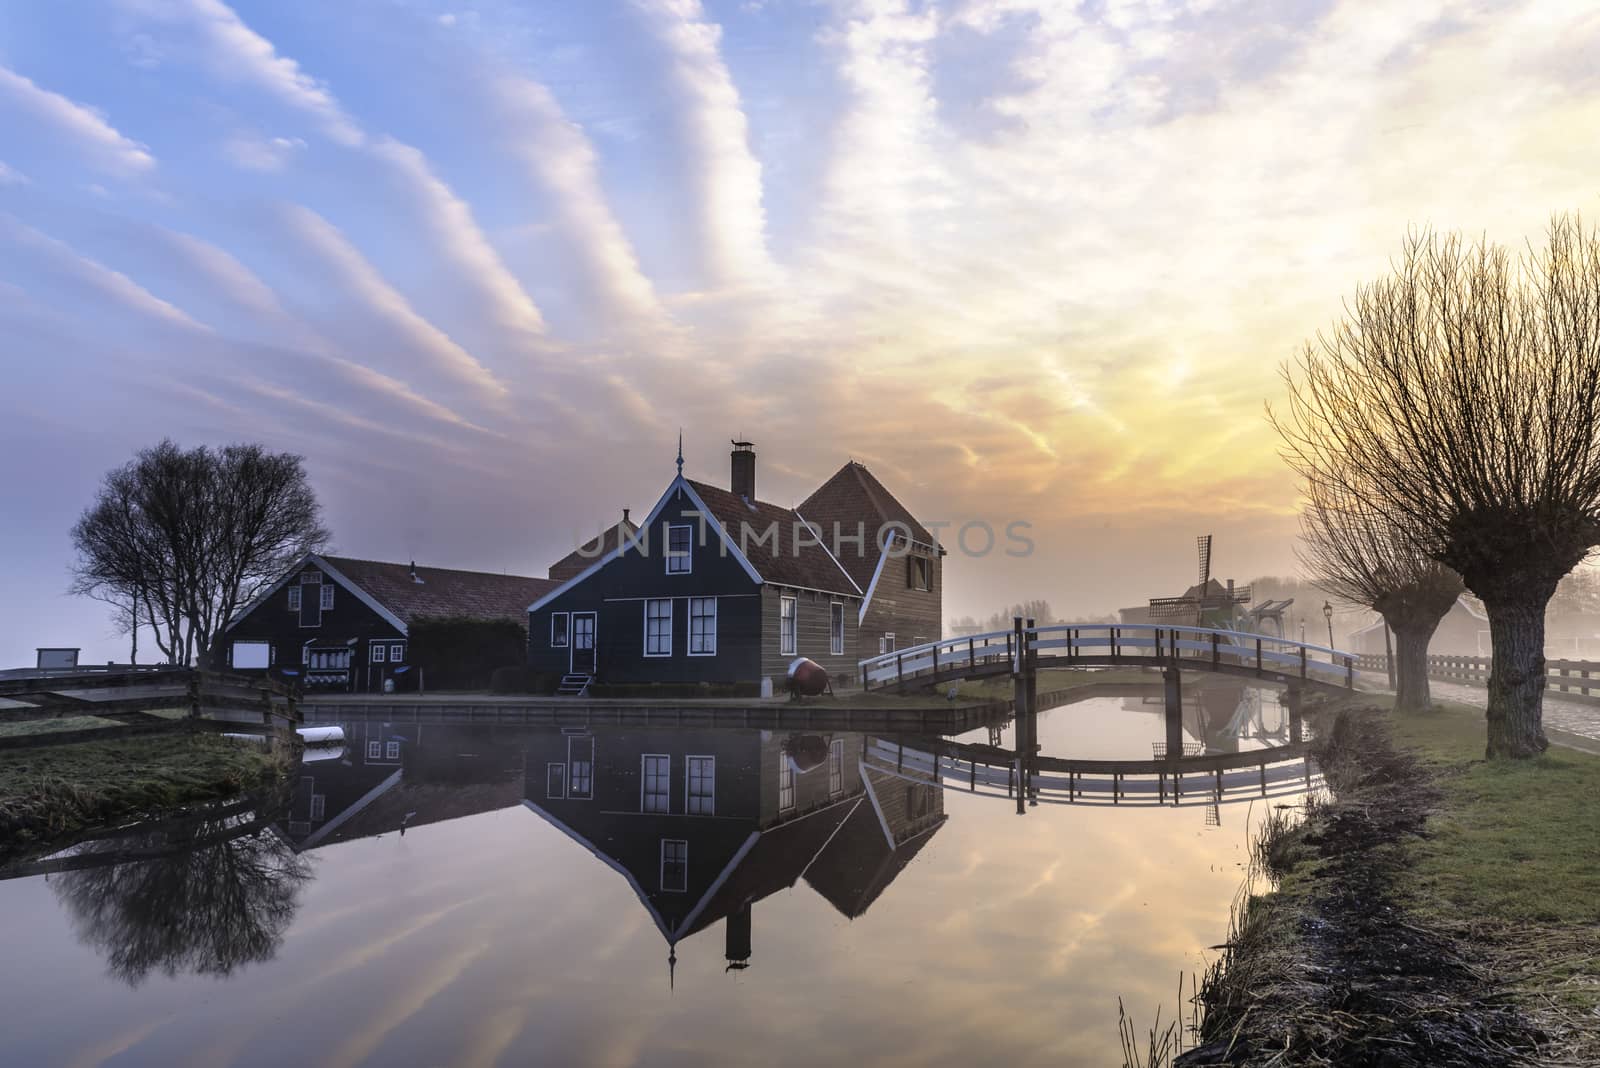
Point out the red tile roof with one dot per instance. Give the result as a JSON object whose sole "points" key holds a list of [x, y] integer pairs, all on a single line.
{"points": [[854, 496], [580, 560], [443, 592], [808, 568]]}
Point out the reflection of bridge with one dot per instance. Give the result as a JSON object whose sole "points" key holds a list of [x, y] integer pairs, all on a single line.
{"points": [[1216, 778], [1073, 645]]}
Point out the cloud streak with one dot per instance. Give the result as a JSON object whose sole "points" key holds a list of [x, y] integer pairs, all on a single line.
{"points": [[83, 126]]}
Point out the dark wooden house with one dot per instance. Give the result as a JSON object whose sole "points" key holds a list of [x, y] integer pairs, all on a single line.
{"points": [[716, 586], [344, 625], [891, 556]]}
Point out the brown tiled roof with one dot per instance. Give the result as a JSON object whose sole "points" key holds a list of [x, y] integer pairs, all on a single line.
{"points": [[444, 592], [580, 560], [811, 568], [854, 496]]}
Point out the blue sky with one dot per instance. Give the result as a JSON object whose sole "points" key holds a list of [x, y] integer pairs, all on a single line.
{"points": [[480, 262]]}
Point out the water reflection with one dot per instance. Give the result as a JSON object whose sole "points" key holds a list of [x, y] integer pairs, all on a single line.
{"points": [[492, 894], [205, 895]]}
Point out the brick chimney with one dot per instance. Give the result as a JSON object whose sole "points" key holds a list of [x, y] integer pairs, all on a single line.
{"points": [[743, 480]]}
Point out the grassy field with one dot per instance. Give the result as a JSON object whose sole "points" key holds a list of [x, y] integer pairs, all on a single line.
{"points": [[48, 794]]}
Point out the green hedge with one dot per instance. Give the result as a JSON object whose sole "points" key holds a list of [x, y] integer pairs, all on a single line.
{"points": [[461, 653]]}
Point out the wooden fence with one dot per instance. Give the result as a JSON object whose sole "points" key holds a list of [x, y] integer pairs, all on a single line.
{"points": [[143, 701], [1579, 679]]}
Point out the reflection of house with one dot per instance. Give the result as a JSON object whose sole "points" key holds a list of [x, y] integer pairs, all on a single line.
{"points": [[389, 776], [704, 823], [1220, 713], [344, 624]]}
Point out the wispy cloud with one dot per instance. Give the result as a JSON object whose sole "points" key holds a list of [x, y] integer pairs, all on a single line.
{"points": [[556, 154], [364, 282], [256, 153], [11, 176], [95, 277], [79, 124], [726, 174]]}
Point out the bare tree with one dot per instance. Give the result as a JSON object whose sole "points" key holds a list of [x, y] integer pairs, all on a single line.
{"points": [[1459, 396], [191, 536], [1362, 556]]}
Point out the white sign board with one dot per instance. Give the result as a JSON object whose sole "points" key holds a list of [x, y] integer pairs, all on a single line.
{"points": [[252, 656], [56, 659]]}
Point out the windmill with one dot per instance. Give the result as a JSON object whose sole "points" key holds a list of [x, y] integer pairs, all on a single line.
{"points": [[1207, 595]]}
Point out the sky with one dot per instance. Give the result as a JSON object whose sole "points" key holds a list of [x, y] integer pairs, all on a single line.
{"points": [[479, 263]]}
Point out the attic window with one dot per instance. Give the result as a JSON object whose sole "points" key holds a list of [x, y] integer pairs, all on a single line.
{"points": [[919, 575]]}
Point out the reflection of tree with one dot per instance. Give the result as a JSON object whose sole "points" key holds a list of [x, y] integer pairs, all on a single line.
{"points": [[207, 900]]}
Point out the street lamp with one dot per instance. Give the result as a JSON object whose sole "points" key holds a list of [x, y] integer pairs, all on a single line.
{"points": [[1327, 613]]}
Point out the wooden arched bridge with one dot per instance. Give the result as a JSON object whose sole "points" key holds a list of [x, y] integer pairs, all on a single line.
{"points": [[1095, 645]]}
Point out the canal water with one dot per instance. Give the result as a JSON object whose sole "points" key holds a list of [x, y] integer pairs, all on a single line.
{"points": [[497, 895]]}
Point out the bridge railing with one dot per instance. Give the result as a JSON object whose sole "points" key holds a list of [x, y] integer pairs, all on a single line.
{"points": [[1142, 644]]}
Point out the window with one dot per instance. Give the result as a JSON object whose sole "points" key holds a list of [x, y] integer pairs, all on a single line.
{"points": [[785, 782], [310, 578], [580, 759], [700, 792], [252, 656], [836, 629], [836, 767], [654, 793], [680, 553], [378, 654], [327, 596], [658, 627], [555, 780], [391, 751], [397, 653], [886, 643], [674, 865], [319, 807], [558, 630], [919, 573], [787, 607], [702, 626], [294, 598], [374, 750]]}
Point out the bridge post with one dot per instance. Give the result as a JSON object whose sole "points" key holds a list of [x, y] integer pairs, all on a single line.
{"points": [[1021, 708], [1297, 731], [1216, 655], [1173, 680]]}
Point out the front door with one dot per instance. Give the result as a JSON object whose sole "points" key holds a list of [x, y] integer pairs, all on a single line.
{"points": [[583, 643]]}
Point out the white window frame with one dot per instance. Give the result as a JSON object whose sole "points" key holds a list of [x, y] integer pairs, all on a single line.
{"points": [[379, 652], [566, 630], [550, 768], [836, 634], [319, 807], [886, 643], [785, 781], [391, 750], [704, 651], [294, 598], [661, 872], [586, 739], [374, 750], [680, 563], [789, 612], [233, 654], [649, 601], [836, 767], [397, 652], [644, 783], [326, 597], [689, 798]]}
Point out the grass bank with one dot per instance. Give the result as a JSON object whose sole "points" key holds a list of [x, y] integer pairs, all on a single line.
{"points": [[1435, 909], [49, 795]]}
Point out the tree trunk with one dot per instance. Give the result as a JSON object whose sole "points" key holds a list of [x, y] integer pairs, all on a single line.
{"points": [[1516, 679], [1411, 668]]}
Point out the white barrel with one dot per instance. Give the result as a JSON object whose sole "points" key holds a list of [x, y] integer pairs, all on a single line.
{"points": [[321, 735]]}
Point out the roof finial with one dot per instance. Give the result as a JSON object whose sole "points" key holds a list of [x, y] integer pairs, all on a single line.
{"points": [[680, 451]]}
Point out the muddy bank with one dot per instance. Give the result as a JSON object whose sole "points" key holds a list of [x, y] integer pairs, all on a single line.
{"points": [[1334, 968]]}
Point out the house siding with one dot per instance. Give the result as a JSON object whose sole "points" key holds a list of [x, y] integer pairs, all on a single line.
{"points": [[898, 609], [812, 636], [616, 594], [273, 621]]}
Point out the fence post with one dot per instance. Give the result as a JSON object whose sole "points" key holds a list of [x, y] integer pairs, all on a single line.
{"points": [[1216, 655], [1349, 673], [936, 661], [972, 654], [194, 693], [1258, 658], [1302, 661], [900, 670]]}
